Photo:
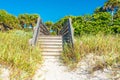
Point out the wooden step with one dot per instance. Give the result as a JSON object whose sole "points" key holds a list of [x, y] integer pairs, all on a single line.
{"points": [[51, 40], [51, 53], [51, 57], [47, 45], [51, 50], [49, 36], [50, 45]]}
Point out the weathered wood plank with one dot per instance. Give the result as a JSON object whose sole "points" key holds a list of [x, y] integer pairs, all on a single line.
{"points": [[40, 29], [36, 32], [67, 32]]}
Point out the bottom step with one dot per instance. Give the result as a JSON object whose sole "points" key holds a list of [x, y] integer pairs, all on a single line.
{"points": [[51, 54], [51, 57]]}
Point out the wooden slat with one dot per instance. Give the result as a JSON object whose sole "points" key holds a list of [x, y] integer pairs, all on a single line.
{"points": [[36, 33], [43, 29], [64, 34], [67, 32], [40, 29]]}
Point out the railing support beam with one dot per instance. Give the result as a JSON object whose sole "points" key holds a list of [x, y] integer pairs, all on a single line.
{"points": [[67, 33], [40, 28]]}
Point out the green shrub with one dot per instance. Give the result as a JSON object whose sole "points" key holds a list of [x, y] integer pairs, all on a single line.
{"points": [[92, 24]]}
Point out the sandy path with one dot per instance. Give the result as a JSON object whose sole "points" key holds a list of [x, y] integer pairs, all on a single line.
{"points": [[53, 69]]}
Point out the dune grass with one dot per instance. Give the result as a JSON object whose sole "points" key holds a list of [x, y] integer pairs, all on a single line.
{"points": [[16, 53], [107, 46]]}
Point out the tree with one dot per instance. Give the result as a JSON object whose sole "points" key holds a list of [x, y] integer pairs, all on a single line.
{"points": [[9, 20], [99, 9], [27, 20], [49, 25], [117, 15], [117, 18], [112, 6]]}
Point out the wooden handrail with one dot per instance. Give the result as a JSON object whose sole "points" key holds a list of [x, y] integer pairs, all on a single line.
{"points": [[36, 32], [67, 33], [39, 29], [43, 29]]}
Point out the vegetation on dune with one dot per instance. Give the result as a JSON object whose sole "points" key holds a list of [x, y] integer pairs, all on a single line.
{"points": [[16, 52], [104, 19], [107, 46], [9, 20], [20, 22], [27, 20], [93, 24], [98, 33], [18, 55]]}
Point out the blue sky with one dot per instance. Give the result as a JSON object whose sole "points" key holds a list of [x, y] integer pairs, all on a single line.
{"points": [[51, 10]]}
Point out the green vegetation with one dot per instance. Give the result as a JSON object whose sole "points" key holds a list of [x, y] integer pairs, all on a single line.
{"points": [[18, 55], [9, 20], [107, 46], [105, 19], [20, 22], [98, 34], [27, 20], [99, 22]]}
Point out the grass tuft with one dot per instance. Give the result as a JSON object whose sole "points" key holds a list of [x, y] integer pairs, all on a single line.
{"points": [[107, 46], [18, 55]]}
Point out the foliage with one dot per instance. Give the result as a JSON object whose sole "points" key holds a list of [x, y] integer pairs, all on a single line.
{"points": [[49, 25], [100, 21], [93, 24], [27, 20], [99, 9], [18, 55], [59, 25], [22, 21], [9, 20], [112, 5]]}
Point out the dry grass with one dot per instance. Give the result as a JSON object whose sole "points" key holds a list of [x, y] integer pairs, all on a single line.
{"points": [[107, 46], [16, 53]]}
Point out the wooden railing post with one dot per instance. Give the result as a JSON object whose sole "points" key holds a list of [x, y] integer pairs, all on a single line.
{"points": [[67, 33], [71, 30], [36, 32], [39, 29]]}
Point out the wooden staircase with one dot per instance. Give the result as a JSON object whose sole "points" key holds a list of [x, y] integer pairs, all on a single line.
{"points": [[50, 45]]}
